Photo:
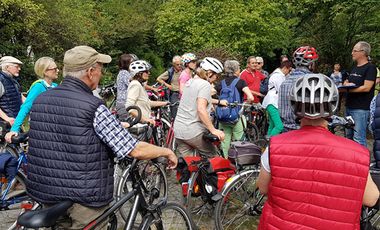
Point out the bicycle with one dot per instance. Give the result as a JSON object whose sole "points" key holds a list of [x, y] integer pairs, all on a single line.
{"points": [[240, 202], [200, 187], [154, 214], [108, 93], [13, 189]]}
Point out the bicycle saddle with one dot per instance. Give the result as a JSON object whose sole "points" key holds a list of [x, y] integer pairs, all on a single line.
{"points": [[210, 137], [45, 217]]}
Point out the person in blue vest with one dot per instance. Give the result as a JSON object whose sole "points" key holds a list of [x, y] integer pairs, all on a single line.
{"points": [[10, 92], [73, 139], [170, 79], [46, 69]]}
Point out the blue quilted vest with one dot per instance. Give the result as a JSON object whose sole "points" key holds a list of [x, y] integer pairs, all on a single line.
{"points": [[67, 160], [11, 101]]}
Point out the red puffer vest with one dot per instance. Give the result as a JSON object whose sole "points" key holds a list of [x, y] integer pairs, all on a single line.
{"points": [[318, 181]]}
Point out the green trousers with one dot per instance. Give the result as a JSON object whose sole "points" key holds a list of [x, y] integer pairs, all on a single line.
{"points": [[275, 123], [231, 133]]}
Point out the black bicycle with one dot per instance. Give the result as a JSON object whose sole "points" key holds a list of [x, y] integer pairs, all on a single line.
{"points": [[144, 200]]}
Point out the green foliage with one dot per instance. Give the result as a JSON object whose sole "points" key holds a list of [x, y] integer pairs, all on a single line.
{"points": [[156, 30], [246, 27]]}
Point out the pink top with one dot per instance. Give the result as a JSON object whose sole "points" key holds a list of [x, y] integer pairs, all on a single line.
{"points": [[183, 78]]}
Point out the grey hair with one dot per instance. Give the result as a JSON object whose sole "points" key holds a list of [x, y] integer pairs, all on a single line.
{"points": [[4, 67], [231, 66], [365, 46], [176, 58], [77, 74]]}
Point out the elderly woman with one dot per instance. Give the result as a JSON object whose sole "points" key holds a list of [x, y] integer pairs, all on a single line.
{"points": [[233, 131], [47, 71], [137, 95]]}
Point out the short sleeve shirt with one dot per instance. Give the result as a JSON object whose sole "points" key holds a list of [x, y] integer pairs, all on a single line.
{"points": [[253, 80], [358, 75], [240, 85], [187, 123]]}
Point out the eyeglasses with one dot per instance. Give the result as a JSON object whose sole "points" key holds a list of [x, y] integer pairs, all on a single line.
{"points": [[55, 69], [16, 66], [355, 51], [256, 63], [177, 64]]}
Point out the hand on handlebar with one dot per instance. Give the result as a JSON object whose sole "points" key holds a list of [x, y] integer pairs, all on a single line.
{"points": [[218, 133], [172, 160], [125, 124], [9, 135], [151, 121], [223, 103]]}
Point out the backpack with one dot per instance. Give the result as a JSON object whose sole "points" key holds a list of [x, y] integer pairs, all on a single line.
{"points": [[171, 74], [230, 93], [264, 86]]}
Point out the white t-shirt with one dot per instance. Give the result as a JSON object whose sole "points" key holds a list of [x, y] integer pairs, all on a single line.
{"points": [[187, 123], [275, 81], [265, 160]]}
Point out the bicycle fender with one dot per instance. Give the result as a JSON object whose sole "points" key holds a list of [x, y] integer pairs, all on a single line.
{"points": [[234, 178]]}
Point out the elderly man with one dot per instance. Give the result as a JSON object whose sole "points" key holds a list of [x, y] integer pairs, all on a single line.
{"points": [[253, 77], [10, 93], [74, 138], [358, 100], [170, 79]]}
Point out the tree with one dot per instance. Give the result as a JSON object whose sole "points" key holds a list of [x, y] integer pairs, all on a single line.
{"points": [[244, 26]]}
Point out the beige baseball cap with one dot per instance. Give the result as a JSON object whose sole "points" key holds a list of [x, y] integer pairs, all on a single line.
{"points": [[9, 60], [83, 57]]}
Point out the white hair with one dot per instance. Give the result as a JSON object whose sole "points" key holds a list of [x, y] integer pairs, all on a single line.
{"points": [[176, 58], [77, 74], [365, 46]]}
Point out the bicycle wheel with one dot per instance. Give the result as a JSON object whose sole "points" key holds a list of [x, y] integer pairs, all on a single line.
{"points": [[154, 179], [171, 217], [241, 205], [201, 211]]}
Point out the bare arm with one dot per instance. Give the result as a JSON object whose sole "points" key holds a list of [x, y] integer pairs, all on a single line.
{"points": [[205, 118], [364, 88], [263, 181], [158, 103], [6, 118], [249, 94], [145, 151], [371, 193]]}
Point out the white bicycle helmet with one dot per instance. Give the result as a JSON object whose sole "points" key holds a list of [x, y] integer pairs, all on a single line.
{"points": [[314, 96], [188, 57], [304, 56], [138, 67], [213, 64]]}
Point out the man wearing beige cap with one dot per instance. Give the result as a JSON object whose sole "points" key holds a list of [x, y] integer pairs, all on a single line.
{"points": [[10, 93], [73, 139]]}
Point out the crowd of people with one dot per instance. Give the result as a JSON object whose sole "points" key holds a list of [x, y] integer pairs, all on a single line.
{"points": [[311, 177]]}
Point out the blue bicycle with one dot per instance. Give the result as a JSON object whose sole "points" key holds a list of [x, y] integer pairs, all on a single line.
{"points": [[13, 186]]}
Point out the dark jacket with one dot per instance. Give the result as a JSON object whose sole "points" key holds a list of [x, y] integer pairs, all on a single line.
{"points": [[67, 160], [11, 100]]}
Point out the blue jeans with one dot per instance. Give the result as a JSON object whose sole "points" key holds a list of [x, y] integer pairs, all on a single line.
{"points": [[361, 123]]}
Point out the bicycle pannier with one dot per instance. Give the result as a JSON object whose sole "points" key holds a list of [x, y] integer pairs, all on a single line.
{"points": [[244, 153]]}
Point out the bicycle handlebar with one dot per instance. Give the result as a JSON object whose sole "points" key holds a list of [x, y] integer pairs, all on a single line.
{"points": [[20, 138]]}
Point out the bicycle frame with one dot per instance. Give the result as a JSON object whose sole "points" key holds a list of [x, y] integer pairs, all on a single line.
{"points": [[20, 197]]}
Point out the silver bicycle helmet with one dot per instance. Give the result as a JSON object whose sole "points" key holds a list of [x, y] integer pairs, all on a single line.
{"points": [[314, 96], [213, 64]]}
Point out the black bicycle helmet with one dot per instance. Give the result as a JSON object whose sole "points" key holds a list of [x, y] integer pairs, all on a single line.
{"points": [[314, 96]]}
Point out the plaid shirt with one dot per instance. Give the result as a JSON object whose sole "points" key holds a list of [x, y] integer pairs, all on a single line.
{"points": [[286, 112], [112, 133]]}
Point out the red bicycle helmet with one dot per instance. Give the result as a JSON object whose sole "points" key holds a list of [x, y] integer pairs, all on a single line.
{"points": [[304, 56]]}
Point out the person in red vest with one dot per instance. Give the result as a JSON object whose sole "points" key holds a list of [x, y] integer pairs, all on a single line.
{"points": [[313, 178], [253, 77]]}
